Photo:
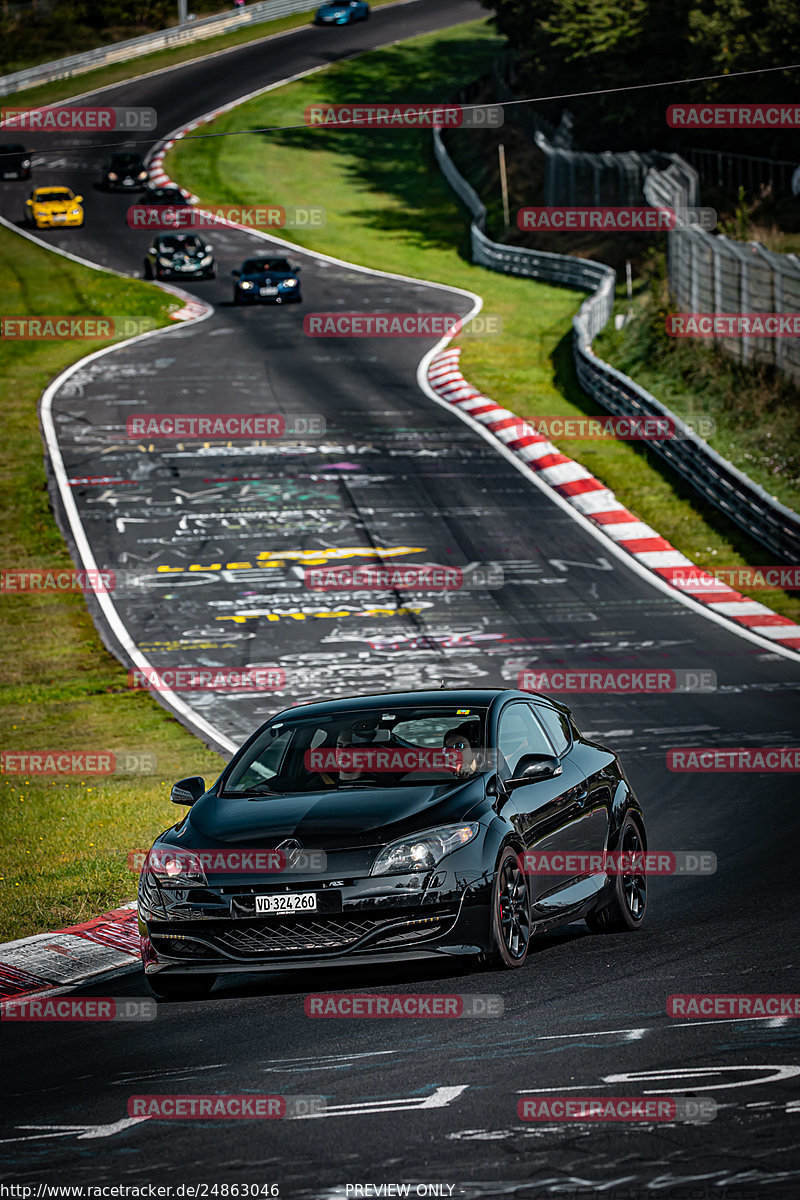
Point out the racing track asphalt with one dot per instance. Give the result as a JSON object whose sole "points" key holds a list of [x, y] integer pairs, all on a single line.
{"points": [[397, 470]]}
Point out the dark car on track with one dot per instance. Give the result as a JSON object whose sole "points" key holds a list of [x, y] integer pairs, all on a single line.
{"points": [[15, 161], [171, 196], [378, 828], [345, 13], [179, 256], [125, 172], [266, 280]]}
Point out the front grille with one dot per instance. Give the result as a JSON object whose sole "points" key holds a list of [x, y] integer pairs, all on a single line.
{"points": [[329, 934], [261, 939]]}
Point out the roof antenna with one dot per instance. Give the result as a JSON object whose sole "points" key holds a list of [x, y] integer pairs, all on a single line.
{"points": [[441, 685]]}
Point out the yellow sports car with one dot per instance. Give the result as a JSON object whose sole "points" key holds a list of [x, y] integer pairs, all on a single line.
{"points": [[52, 206]]}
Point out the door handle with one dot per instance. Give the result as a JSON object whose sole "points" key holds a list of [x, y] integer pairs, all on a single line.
{"points": [[582, 796]]}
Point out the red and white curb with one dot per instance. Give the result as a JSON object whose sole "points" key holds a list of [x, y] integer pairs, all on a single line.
{"points": [[158, 175], [48, 962], [599, 504]]}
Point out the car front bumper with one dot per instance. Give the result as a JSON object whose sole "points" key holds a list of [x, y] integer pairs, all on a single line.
{"points": [[48, 222], [366, 920]]}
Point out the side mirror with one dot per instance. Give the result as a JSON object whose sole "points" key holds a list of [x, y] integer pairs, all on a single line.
{"points": [[186, 791], [236, 273], [296, 268], [532, 768], [209, 246], [78, 199], [29, 202]]}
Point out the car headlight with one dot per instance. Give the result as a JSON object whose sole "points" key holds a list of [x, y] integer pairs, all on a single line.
{"points": [[175, 867], [76, 212], [164, 262], [206, 260], [142, 175], [290, 283], [246, 285], [113, 175], [424, 851], [26, 162]]}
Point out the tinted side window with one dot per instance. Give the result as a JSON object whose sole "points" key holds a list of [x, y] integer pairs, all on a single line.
{"points": [[519, 733], [557, 726]]}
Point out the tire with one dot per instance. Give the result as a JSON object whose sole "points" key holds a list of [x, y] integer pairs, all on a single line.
{"points": [[180, 987], [511, 913], [148, 269], [625, 912]]}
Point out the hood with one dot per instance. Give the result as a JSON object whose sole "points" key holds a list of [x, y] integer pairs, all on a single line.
{"points": [[328, 820]]}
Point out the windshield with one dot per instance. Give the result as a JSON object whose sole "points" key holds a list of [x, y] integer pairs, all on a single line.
{"points": [[53, 197], [254, 265], [382, 747], [188, 245], [126, 160], [12, 148]]}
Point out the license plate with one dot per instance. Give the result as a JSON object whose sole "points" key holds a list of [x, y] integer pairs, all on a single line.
{"points": [[269, 291], [59, 217], [292, 902]]}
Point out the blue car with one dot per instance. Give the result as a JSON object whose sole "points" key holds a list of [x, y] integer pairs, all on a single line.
{"points": [[267, 281], [346, 12]]}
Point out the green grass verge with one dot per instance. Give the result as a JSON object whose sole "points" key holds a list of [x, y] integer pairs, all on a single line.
{"points": [[388, 207], [65, 841], [91, 81]]}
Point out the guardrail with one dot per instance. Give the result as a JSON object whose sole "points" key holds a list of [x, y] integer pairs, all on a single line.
{"points": [[763, 517], [163, 39], [713, 274], [729, 170]]}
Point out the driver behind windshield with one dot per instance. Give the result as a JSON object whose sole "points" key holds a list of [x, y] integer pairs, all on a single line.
{"points": [[464, 740], [350, 739]]}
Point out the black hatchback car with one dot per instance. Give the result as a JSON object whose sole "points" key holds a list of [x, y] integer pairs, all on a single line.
{"points": [[385, 827], [179, 256], [15, 161], [125, 173], [267, 280]]}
